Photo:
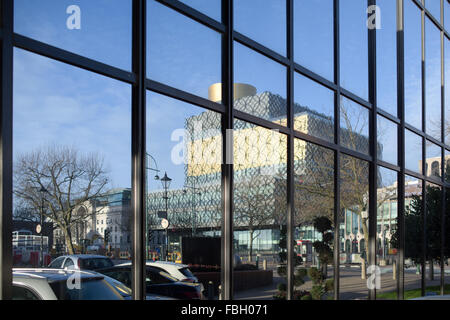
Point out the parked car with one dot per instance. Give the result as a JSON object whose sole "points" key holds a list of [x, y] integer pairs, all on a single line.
{"points": [[178, 271], [81, 262], [157, 282], [52, 284]]}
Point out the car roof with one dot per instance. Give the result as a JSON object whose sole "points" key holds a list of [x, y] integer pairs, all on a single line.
{"points": [[84, 256], [158, 263], [52, 275]]}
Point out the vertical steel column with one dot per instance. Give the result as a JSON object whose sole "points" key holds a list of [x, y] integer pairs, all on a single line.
{"points": [[337, 154], [400, 150], [443, 193], [138, 147], [290, 149], [424, 128], [227, 153], [6, 168], [373, 169]]}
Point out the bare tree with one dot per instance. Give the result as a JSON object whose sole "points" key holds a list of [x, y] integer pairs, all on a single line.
{"points": [[70, 180]]}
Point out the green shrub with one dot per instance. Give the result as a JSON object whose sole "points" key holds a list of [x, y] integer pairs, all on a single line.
{"points": [[282, 287]]}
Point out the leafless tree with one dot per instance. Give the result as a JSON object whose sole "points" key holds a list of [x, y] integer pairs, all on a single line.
{"points": [[71, 180]]}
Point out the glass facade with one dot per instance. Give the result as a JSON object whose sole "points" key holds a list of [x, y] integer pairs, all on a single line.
{"points": [[286, 160]]}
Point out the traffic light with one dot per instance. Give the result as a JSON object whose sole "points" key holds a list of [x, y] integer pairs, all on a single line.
{"points": [[107, 235]]}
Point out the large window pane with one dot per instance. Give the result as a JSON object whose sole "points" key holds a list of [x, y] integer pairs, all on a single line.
{"points": [[414, 230], [413, 65], [354, 48], [264, 23], [413, 151], [387, 136], [260, 85], [447, 89], [72, 164], [260, 209], [433, 79], [434, 6], [184, 144], [314, 218], [387, 243], [100, 30], [313, 108], [183, 53], [387, 58], [211, 8], [434, 238], [433, 160], [313, 36], [354, 126], [354, 206]]}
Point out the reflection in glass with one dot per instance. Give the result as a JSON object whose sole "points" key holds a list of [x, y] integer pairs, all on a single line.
{"points": [[447, 166], [314, 219], [387, 244], [434, 6], [447, 89], [313, 40], [413, 151], [413, 64], [313, 108], [72, 170], [413, 236], [387, 136], [89, 29], [433, 160], [260, 206], [183, 53], [354, 49], [264, 23], [260, 85], [433, 80], [354, 199], [354, 126], [434, 238], [211, 8], [184, 144], [387, 58], [447, 240], [447, 15]]}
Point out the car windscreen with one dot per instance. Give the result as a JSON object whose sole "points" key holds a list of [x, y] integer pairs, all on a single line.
{"points": [[88, 289], [187, 273], [95, 263]]}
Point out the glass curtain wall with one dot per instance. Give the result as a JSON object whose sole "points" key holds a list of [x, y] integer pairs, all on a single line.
{"points": [[345, 106]]}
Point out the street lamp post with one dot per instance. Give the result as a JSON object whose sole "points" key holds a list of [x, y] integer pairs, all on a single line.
{"points": [[165, 181], [148, 167], [42, 191]]}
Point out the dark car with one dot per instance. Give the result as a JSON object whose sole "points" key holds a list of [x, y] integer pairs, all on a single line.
{"points": [[157, 282]]}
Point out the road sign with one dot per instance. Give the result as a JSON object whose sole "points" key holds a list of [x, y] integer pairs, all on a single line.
{"points": [[38, 228], [165, 223]]}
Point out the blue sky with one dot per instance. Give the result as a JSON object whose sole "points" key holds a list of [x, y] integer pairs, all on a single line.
{"points": [[56, 103]]}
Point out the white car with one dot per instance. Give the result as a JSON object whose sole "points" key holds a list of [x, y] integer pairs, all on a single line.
{"points": [[179, 271], [81, 262]]}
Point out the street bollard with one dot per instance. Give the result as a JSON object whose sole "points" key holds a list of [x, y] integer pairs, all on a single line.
{"points": [[264, 264], [394, 270], [210, 290], [363, 269]]}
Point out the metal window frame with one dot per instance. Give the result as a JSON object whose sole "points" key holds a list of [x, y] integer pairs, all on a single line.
{"points": [[137, 78]]}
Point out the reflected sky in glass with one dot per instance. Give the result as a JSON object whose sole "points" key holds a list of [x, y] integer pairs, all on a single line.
{"points": [[387, 132], [433, 79], [354, 126], [264, 22], [447, 89], [315, 114], [434, 6], [105, 33], [72, 107], [413, 65], [354, 49], [211, 8], [413, 151], [387, 58], [183, 53], [313, 36]]}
